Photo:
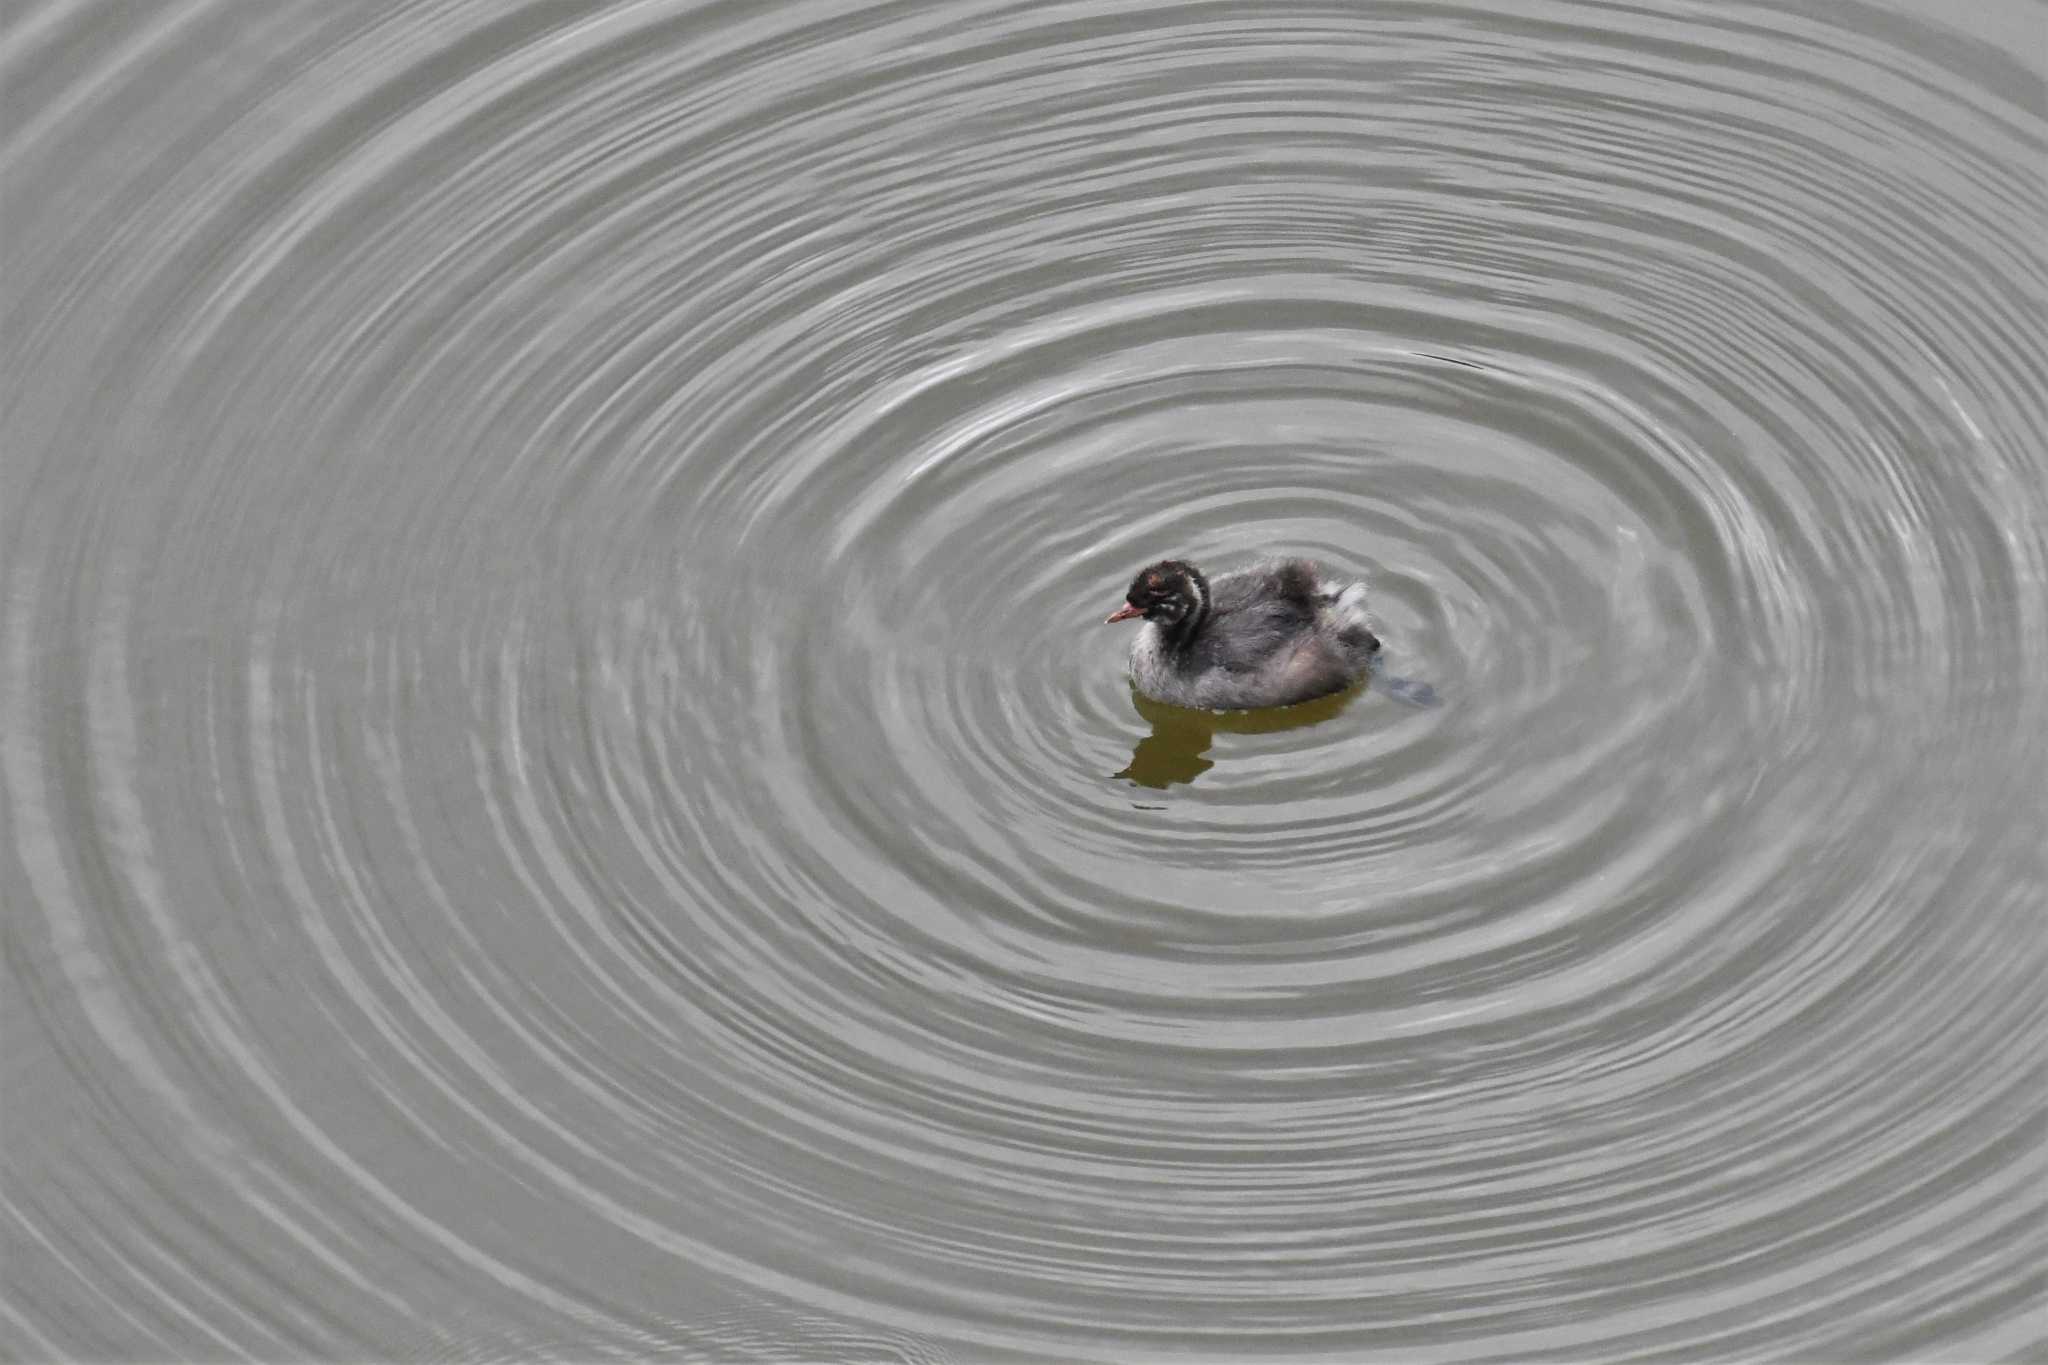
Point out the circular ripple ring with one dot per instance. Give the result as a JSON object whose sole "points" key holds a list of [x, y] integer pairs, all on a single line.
{"points": [[567, 790]]}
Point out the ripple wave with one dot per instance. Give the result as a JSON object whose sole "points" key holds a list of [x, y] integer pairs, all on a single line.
{"points": [[567, 793]]}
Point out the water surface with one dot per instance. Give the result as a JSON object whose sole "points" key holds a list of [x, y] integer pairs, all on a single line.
{"points": [[566, 794]]}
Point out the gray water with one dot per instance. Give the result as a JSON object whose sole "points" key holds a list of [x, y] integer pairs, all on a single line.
{"points": [[567, 795]]}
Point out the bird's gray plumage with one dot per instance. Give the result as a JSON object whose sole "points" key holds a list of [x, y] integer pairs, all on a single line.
{"points": [[1269, 635]]}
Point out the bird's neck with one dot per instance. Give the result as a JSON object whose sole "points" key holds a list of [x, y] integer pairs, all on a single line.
{"points": [[1180, 632]]}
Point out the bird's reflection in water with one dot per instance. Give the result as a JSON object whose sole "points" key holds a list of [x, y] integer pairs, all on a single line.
{"points": [[1175, 751]]}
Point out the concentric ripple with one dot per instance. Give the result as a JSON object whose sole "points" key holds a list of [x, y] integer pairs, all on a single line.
{"points": [[567, 794]]}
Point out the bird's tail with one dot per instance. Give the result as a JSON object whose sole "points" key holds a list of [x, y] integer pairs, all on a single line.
{"points": [[1354, 625]]}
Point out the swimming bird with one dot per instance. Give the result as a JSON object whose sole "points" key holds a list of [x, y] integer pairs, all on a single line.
{"points": [[1273, 634]]}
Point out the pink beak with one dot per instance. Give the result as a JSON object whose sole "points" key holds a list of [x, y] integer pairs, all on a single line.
{"points": [[1124, 613]]}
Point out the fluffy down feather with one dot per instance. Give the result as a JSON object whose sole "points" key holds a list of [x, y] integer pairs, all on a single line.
{"points": [[1273, 634]]}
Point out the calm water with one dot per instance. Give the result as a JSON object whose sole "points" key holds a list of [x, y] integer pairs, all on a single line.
{"points": [[566, 794]]}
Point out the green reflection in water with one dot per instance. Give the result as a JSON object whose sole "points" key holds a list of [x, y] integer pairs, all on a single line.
{"points": [[1176, 750]]}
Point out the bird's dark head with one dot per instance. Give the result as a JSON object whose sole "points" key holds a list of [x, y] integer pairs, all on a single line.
{"points": [[1169, 592]]}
